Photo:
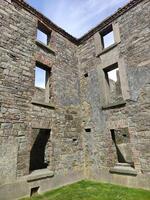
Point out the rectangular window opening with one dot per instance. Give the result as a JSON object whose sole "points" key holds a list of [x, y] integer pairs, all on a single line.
{"points": [[40, 77], [107, 37], [122, 145], [42, 37], [43, 34], [42, 83], [113, 81], [40, 152]]}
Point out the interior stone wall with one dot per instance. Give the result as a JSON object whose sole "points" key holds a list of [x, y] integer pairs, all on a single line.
{"points": [[132, 53], [19, 115], [17, 49], [77, 112]]}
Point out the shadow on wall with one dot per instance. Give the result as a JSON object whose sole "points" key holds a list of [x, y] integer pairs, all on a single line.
{"points": [[122, 145], [38, 151]]}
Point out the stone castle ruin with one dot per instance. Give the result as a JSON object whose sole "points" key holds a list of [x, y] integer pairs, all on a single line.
{"points": [[62, 117]]}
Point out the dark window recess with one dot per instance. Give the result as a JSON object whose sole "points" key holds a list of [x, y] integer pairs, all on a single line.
{"points": [[34, 191], [112, 79], [88, 130], [74, 139], [122, 145], [39, 155], [86, 75], [107, 37], [112, 134], [120, 156], [43, 34]]}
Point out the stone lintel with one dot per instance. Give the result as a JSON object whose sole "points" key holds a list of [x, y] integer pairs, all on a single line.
{"points": [[107, 49], [46, 105], [114, 105], [42, 45]]}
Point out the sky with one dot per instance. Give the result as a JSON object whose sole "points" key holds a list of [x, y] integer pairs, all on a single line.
{"points": [[77, 17], [40, 77]]}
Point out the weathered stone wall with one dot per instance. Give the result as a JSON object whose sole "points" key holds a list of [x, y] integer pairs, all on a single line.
{"points": [[17, 49], [132, 54], [19, 53], [136, 53], [75, 108]]}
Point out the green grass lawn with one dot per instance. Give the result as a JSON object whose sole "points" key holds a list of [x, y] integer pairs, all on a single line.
{"points": [[90, 190]]}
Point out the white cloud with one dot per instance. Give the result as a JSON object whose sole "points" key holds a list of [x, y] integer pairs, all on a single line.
{"points": [[82, 14]]}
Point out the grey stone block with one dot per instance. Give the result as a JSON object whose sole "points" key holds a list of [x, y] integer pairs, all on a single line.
{"points": [[40, 174]]}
